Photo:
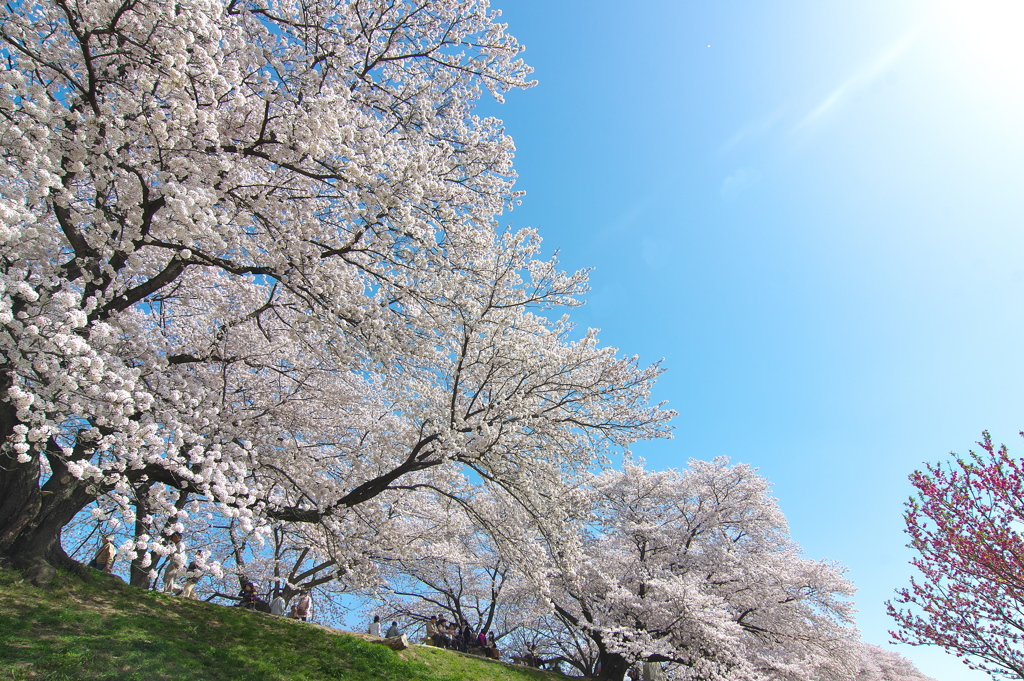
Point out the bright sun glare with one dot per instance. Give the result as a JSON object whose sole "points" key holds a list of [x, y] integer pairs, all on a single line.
{"points": [[988, 37]]}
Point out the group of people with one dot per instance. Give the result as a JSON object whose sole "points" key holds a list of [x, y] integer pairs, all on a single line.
{"points": [[174, 566], [444, 634], [249, 598], [440, 632], [376, 624]]}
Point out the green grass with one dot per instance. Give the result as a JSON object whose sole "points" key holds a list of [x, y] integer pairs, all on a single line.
{"points": [[101, 628]]}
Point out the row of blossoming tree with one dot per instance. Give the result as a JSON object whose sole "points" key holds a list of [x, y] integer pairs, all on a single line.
{"points": [[691, 569], [254, 290]]}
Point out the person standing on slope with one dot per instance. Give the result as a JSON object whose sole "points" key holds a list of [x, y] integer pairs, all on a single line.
{"points": [[104, 560], [277, 606], [302, 606], [175, 563], [193, 574]]}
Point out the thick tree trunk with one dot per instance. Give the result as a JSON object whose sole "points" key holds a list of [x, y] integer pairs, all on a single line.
{"points": [[613, 666], [19, 482], [31, 534], [32, 517], [20, 501]]}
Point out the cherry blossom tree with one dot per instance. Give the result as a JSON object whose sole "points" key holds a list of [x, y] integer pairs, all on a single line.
{"points": [[965, 526], [250, 265], [296, 557], [879, 664], [440, 559], [552, 640], [696, 570]]}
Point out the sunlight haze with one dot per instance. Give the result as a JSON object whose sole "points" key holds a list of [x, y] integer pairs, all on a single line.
{"points": [[812, 211]]}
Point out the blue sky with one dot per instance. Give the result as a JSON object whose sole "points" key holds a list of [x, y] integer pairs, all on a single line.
{"points": [[812, 211]]}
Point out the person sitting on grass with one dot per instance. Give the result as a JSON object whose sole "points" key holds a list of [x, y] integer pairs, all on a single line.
{"points": [[445, 633], [430, 637], [175, 563], [492, 648], [247, 596], [375, 626], [479, 644], [393, 631]]}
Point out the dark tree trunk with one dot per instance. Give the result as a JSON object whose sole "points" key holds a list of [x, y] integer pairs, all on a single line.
{"points": [[19, 482], [33, 516], [613, 666], [20, 501], [138, 575]]}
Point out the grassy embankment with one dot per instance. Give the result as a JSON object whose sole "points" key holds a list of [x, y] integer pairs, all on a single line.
{"points": [[104, 629]]}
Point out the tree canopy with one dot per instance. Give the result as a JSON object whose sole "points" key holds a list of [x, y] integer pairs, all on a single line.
{"points": [[251, 260]]}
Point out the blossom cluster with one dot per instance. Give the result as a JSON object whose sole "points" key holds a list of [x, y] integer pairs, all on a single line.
{"points": [[251, 266], [965, 528]]}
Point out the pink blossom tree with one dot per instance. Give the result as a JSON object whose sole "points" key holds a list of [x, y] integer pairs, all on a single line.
{"points": [[965, 525]]}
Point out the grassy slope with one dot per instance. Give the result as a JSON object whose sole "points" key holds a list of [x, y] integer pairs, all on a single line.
{"points": [[103, 629]]}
